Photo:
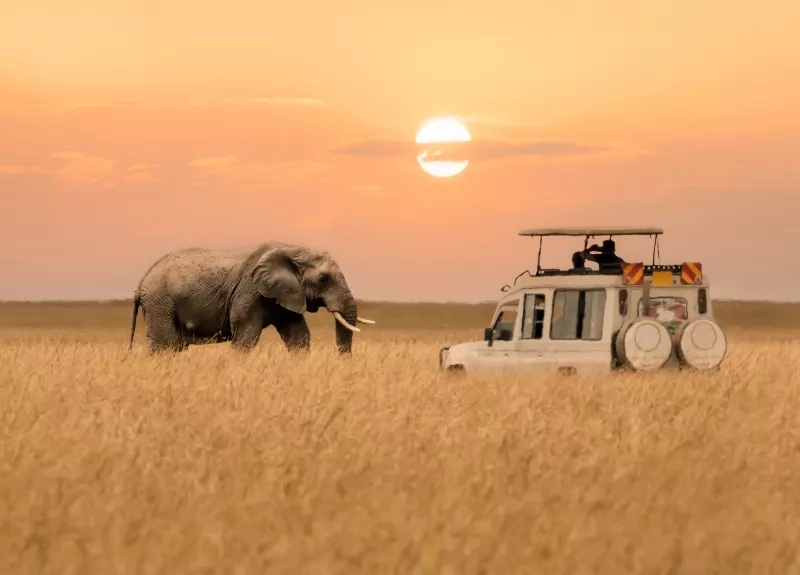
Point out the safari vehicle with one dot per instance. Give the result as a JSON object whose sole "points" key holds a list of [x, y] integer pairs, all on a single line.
{"points": [[624, 316]]}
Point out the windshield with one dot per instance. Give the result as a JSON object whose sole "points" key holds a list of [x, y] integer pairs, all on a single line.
{"points": [[507, 317]]}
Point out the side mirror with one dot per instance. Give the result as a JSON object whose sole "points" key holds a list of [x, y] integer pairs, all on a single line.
{"points": [[488, 334]]}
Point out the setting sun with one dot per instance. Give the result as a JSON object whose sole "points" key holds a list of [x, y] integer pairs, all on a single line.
{"points": [[441, 131]]}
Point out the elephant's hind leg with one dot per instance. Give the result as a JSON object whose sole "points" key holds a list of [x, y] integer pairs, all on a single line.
{"points": [[163, 333]]}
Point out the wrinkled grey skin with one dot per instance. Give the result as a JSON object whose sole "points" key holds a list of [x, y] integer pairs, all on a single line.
{"points": [[198, 294]]}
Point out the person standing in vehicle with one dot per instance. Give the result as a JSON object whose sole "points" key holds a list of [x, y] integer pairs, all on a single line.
{"points": [[606, 255]]}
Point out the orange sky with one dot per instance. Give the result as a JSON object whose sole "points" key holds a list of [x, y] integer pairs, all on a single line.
{"points": [[128, 129]]}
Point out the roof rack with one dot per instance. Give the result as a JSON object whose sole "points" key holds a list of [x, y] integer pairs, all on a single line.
{"points": [[589, 232]]}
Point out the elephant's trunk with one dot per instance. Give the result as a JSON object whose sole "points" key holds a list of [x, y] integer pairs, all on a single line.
{"points": [[344, 334]]}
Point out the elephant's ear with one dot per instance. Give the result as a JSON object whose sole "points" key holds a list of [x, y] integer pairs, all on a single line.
{"points": [[276, 275]]}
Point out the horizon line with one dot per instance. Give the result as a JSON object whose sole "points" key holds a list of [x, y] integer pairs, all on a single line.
{"points": [[369, 301]]}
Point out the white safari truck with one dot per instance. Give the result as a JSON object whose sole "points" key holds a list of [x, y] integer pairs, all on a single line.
{"points": [[622, 316]]}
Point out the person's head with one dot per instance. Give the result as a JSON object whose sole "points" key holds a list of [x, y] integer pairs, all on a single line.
{"points": [[608, 246], [578, 261]]}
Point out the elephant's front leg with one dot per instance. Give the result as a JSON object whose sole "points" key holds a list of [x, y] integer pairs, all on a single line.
{"points": [[247, 330], [294, 332]]}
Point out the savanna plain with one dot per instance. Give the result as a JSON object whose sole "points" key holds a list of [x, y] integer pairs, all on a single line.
{"points": [[216, 462]]}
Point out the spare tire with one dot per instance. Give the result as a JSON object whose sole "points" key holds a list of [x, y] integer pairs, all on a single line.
{"points": [[643, 344], [701, 343]]}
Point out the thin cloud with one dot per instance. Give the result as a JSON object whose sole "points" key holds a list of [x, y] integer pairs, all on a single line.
{"points": [[490, 150], [503, 126], [79, 168], [192, 102], [258, 101], [273, 101], [139, 173], [215, 164], [140, 168], [379, 149], [17, 169], [476, 150], [66, 107], [235, 172]]}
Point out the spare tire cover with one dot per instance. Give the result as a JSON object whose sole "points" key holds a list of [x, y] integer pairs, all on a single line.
{"points": [[701, 343], [644, 344]]}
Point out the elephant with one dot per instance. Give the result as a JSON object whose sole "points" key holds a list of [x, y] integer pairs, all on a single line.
{"points": [[199, 295]]}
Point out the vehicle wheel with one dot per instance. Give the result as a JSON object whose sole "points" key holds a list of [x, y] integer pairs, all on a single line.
{"points": [[456, 369], [701, 344], [643, 344]]}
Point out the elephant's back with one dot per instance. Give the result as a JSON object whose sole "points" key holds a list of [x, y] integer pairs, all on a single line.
{"points": [[190, 269], [198, 258], [225, 257], [189, 265]]}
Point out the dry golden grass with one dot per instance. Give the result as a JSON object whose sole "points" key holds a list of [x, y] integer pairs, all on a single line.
{"points": [[212, 462]]}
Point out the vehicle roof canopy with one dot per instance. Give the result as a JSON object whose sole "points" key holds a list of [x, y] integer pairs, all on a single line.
{"points": [[575, 232]]}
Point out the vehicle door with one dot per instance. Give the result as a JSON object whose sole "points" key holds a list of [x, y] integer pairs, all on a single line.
{"points": [[498, 355], [532, 343], [580, 330]]}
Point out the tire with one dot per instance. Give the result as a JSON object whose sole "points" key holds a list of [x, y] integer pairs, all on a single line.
{"points": [[700, 344], [643, 344]]}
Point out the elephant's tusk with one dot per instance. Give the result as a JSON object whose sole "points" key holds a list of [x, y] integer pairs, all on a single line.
{"points": [[343, 321], [362, 320]]}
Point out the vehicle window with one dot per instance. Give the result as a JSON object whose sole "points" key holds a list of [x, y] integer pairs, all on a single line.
{"points": [[670, 311], [507, 318], [533, 316], [578, 314]]}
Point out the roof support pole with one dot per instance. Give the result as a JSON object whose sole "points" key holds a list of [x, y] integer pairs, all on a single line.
{"points": [[539, 257], [655, 247]]}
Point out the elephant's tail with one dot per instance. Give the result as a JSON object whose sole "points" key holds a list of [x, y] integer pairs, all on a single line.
{"points": [[137, 301]]}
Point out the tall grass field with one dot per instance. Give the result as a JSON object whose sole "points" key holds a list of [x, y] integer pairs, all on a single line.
{"points": [[213, 461]]}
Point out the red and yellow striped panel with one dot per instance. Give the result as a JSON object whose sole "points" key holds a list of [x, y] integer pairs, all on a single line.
{"points": [[691, 273], [633, 274]]}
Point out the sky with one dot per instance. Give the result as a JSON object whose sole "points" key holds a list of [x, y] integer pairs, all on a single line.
{"points": [[129, 129]]}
